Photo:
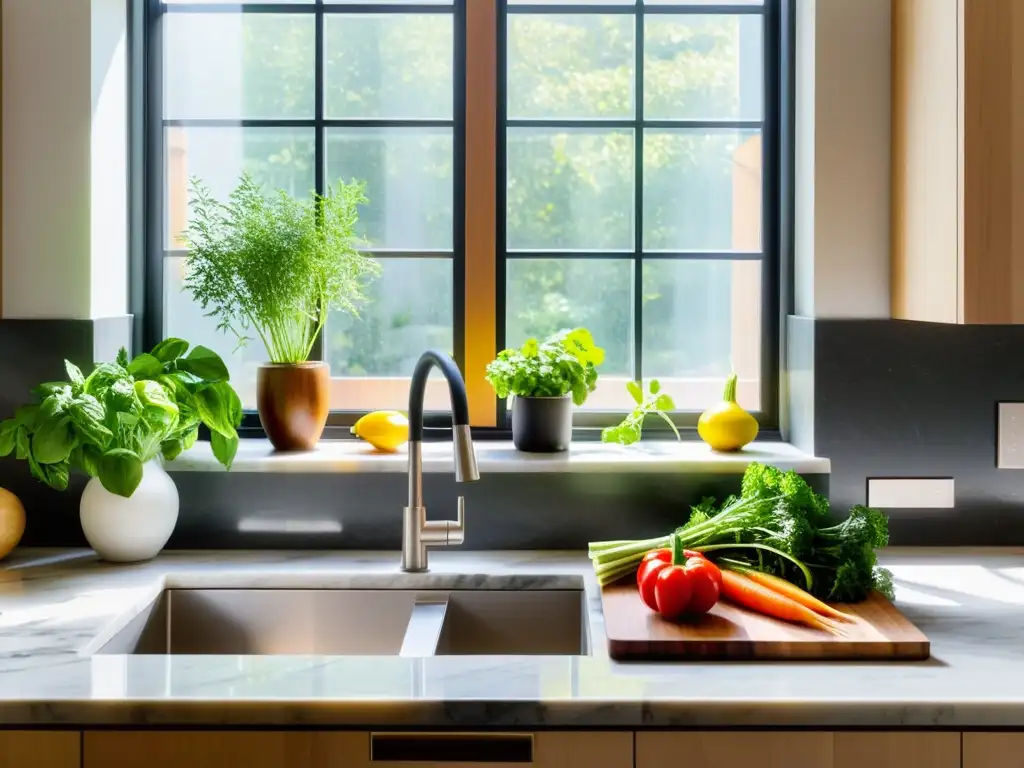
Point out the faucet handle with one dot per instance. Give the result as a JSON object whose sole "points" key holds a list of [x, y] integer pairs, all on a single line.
{"points": [[446, 533]]}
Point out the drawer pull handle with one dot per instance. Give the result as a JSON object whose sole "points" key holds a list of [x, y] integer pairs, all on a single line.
{"points": [[451, 748]]}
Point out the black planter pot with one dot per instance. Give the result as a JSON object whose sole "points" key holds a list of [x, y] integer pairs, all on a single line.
{"points": [[542, 424]]}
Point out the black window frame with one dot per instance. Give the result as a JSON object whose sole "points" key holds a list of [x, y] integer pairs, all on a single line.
{"points": [[146, 179], [775, 60], [148, 171]]}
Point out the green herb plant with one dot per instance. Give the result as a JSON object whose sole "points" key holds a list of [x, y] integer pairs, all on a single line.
{"points": [[565, 363], [629, 430], [123, 414], [275, 266]]}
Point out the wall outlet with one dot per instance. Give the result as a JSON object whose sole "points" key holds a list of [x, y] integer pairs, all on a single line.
{"points": [[1010, 436], [911, 492]]}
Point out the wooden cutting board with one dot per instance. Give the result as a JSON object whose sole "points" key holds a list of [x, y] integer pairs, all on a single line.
{"points": [[635, 632]]}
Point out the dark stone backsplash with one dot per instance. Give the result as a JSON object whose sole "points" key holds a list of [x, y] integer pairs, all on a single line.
{"points": [[890, 399]]}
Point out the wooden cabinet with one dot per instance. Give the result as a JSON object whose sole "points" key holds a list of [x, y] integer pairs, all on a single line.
{"points": [[801, 749], [281, 749], [724, 749], [958, 160], [857, 749], [993, 750], [220, 749], [40, 749]]}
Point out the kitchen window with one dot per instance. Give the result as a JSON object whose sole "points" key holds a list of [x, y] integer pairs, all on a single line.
{"points": [[530, 166]]}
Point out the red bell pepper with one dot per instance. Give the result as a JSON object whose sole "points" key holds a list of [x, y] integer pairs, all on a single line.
{"points": [[675, 582]]}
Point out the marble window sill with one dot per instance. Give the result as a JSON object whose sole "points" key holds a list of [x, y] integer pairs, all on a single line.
{"points": [[501, 457]]}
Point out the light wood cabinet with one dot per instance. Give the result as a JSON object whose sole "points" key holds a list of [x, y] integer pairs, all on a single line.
{"points": [[281, 749], [219, 749], [856, 749], [802, 749], [958, 160], [993, 750], [40, 749], [723, 749]]}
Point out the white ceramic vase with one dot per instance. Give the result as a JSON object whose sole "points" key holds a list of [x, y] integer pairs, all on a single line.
{"points": [[128, 530]]}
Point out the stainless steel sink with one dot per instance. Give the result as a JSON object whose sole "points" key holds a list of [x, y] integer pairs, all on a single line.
{"points": [[356, 622]]}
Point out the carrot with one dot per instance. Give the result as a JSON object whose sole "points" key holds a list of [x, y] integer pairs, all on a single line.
{"points": [[743, 591], [793, 592]]}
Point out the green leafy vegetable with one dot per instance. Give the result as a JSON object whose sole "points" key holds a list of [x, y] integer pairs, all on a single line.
{"points": [[275, 266], [110, 423], [654, 402], [778, 525], [565, 363]]}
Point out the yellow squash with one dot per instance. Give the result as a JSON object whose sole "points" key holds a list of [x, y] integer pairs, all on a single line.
{"points": [[726, 426], [384, 430]]}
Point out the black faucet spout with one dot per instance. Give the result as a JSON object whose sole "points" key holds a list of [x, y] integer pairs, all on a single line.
{"points": [[417, 390]]}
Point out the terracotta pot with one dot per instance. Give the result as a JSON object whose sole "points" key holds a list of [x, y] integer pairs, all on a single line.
{"points": [[293, 400]]}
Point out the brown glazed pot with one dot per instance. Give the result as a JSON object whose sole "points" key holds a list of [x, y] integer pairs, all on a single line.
{"points": [[293, 400]]}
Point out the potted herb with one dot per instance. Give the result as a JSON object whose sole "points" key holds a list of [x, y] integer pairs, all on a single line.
{"points": [[546, 379], [116, 425], [275, 266]]}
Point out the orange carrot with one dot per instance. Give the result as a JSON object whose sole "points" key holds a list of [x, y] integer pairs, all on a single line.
{"points": [[793, 592], [743, 591]]}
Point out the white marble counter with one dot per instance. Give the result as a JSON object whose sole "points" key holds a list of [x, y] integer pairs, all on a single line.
{"points": [[499, 456], [53, 604]]}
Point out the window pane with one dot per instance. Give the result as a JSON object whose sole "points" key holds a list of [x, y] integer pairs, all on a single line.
{"points": [[703, 67], [570, 190], [572, 2], [279, 158], [389, 2], [545, 296], [570, 65], [701, 320], [412, 309], [392, 65], [703, 2], [184, 318], [228, 65], [702, 190], [408, 175]]}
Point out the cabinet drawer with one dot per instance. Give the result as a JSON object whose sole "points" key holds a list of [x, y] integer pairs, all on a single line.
{"points": [[765, 749], [993, 750], [40, 749], [223, 749]]}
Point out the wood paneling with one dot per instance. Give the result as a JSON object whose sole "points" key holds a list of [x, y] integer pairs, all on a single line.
{"points": [[768, 749], [925, 137], [40, 749], [212, 749], [993, 750], [896, 750], [730, 632], [958, 161]]}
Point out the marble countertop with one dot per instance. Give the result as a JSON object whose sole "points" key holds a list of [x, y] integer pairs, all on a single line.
{"points": [[55, 604], [500, 456]]}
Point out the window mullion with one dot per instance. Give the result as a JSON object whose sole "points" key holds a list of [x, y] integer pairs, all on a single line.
{"points": [[479, 257]]}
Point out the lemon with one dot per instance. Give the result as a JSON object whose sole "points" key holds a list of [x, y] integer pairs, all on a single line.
{"points": [[384, 430]]}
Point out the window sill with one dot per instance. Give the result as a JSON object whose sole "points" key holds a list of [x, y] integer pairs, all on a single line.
{"points": [[501, 457]]}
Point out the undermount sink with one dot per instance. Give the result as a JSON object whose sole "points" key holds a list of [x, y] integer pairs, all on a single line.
{"points": [[349, 622]]}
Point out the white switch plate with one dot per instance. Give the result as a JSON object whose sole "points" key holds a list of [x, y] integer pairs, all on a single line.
{"points": [[1010, 436], [911, 492]]}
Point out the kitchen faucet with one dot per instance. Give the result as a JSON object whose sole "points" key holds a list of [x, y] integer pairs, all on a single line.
{"points": [[418, 533]]}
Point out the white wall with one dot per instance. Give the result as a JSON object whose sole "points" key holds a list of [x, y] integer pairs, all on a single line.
{"points": [[843, 158], [64, 168]]}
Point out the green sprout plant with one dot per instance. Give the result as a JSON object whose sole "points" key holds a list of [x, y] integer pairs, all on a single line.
{"points": [[630, 429], [275, 266]]}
